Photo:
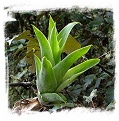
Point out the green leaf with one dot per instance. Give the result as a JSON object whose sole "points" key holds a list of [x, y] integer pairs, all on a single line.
{"points": [[55, 45], [47, 82], [75, 72], [62, 96], [41, 100], [62, 67], [52, 97], [88, 80], [98, 82], [81, 68], [51, 25], [66, 83], [64, 33], [109, 96], [44, 45]]}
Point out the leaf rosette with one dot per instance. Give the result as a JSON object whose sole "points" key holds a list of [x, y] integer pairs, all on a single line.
{"points": [[54, 74]]}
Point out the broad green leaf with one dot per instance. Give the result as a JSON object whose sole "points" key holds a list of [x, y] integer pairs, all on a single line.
{"points": [[54, 45], [62, 67], [71, 45], [44, 45], [41, 100], [52, 97], [80, 68], [47, 81], [64, 33], [75, 72], [66, 83]]}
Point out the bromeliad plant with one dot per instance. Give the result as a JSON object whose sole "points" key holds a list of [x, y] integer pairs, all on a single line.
{"points": [[54, 74]]}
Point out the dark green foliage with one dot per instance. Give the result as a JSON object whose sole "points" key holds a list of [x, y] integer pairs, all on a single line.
{"points": [[96, 28]]}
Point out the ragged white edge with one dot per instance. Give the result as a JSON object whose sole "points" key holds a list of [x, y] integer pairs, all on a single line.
{"points": [[77, 113], [3, 83], [68, 115], [116, 48], [41, 4]]}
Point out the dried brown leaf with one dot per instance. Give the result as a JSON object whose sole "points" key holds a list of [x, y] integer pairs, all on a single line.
{"points": [[26, 105]]}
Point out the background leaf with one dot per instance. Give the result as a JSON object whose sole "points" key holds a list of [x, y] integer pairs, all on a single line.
{"points": [[88, 80], [71, 44], [109, 96]]}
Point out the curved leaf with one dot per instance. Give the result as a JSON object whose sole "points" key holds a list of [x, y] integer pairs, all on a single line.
{"points": [[55, 45], [64, 33], [80, 68], [76, 71], [51, 25], [41, 100], [44, 45], [62, 67]]}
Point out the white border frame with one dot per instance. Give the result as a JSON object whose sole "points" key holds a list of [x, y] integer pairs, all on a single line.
{"points": [[78, 113]]}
